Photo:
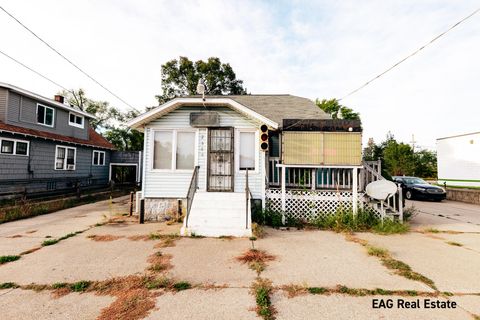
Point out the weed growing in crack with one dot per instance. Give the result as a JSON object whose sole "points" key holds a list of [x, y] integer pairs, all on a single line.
{"points": [[8, 285], [181, 285], [317, 290], [256, 259], [455, 244], [80, 286], [50, 242], [262, 289], [6, 259]]}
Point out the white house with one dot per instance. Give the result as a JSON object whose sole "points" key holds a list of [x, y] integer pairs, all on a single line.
{"points": [[458, 159], [212, 158]]}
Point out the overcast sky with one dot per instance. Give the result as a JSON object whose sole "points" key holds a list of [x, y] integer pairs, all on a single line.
{"points": [[315, 49]]}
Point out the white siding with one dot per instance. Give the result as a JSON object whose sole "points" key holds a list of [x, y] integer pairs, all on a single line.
{"points": [[459, 160], [175, 184]]}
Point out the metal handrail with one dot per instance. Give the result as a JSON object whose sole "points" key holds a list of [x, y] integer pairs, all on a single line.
{"points": [[191, 192], [248, 196]]}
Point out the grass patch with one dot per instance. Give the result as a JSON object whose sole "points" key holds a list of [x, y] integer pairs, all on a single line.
{"points": [[262, 289], [50, 242], [59, 285], [80, 286], [6, 259], [377, 252], [456, 244], [431, 230], [390, 227], [194, 235], [8, 285], [158, 283]]}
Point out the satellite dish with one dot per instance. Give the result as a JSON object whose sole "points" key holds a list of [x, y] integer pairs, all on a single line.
{"points": [[381, 189]]}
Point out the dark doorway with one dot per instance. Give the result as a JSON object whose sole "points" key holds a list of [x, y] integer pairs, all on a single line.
{"points": [[124, 174]]}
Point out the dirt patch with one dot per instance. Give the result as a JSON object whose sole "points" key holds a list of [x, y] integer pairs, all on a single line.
{"points": [[139, 237], [104, 237], [130, 305], [294, 290]]}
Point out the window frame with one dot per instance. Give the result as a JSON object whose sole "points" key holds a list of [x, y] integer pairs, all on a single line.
{"points": [[14, 153], [74, 124], [45, 115], [93, 158], [237, 151], [174, 132], [65, 160]]}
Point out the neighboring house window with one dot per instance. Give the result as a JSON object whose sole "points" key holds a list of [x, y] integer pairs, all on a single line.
{"points": [[45, 115], [247, 151], [174, 150], [14, 147], [65, 158], [98, 158], [75, 120]]}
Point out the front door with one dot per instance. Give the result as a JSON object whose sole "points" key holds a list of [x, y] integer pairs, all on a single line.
{"points": [[220, 160]]}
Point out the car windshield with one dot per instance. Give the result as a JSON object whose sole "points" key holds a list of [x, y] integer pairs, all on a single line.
{"points": [[414, 181]]}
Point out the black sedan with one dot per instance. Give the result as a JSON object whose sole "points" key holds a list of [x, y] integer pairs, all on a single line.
{"points": [[416, 188]]}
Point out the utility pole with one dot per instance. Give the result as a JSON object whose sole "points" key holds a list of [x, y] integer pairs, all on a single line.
{"points": [[413, 143]]}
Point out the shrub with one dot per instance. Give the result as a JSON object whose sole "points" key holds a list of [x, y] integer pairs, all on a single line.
{"points": [[272, 218], [390, 227]]}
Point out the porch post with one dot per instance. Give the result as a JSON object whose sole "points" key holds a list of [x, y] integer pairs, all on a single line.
{"points": [[355, 191], [314, 179], [283, 193]]}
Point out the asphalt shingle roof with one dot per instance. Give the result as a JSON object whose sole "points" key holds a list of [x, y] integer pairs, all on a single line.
{"points": [[277, 107]]}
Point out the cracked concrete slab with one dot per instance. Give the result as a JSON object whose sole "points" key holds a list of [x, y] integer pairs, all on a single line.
{"points": [[29, 305], [225, 304], [356, 308], [452, 268], [210, 260], [323, 258], [79, 258]]}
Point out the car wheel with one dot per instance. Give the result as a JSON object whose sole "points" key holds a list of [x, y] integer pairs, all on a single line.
{"points": [[408, 195]]}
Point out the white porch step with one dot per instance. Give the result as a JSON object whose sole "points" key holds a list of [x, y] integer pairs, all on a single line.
{"points": [[215, 214]]}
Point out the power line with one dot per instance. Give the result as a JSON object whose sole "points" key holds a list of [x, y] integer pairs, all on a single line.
{"points": [[34, 71], [410, 55], [66, 59]]}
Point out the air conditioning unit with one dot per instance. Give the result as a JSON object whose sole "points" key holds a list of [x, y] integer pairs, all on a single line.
{"points": [[70, 167]]}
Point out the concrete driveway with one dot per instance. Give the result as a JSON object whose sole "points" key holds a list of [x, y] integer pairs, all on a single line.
{"points": [[120, 259], [446, 215]]}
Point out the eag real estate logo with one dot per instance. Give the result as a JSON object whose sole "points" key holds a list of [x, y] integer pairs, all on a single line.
{"points": [[412, 304]]}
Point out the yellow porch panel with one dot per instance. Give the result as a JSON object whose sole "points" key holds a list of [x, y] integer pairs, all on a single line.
{"points": [[322, 148], [342, 148], [302, 147]]}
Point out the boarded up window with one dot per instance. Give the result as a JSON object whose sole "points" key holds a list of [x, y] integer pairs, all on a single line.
{"points": [[322, 148]]}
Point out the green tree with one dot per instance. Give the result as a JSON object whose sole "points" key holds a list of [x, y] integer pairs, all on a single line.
{"points": [[425, 164], [398, 158], [109, 120], [333, 107], [180, 78]]}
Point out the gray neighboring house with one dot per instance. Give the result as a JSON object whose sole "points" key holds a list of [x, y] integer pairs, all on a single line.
{"points": [[47, 146]]}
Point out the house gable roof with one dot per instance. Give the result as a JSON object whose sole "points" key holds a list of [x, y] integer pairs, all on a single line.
{"points": [[95, 139], [268, 109], [46, 100]]}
